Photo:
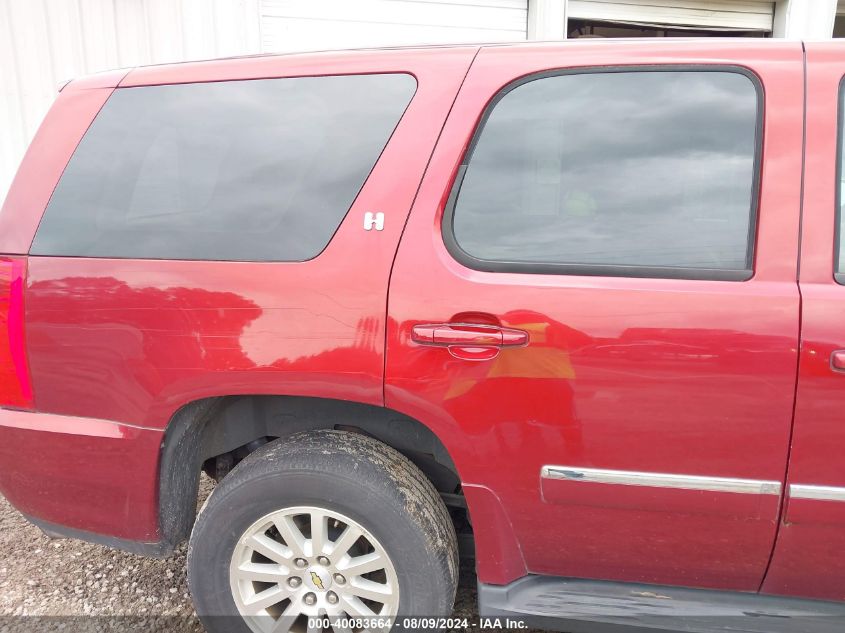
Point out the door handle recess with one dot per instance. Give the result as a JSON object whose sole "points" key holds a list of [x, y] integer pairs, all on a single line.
{"points": [[837, 360], [468, 335]]}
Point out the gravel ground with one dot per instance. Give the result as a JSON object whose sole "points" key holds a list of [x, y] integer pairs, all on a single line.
{"points": [[61, 578]]}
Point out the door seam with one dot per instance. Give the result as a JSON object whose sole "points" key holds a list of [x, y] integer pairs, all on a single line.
{"points": [[784, 499], [405, 225]]}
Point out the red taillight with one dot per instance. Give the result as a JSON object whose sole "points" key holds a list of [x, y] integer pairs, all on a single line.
{"points": [[15, 387]]}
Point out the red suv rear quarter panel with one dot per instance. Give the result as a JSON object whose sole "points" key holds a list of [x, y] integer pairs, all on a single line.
{"points": [[165, 332], [117, 346]]}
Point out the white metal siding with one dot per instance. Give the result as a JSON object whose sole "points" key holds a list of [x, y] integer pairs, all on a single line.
{"points": [[750, 15], [288, 25], [45, 42]]}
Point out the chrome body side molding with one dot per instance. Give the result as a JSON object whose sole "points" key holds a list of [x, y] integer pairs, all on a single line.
{"points": [[819, 493], [661, 480]]}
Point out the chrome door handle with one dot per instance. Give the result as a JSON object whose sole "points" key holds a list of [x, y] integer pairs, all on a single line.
{"points": [[468, 334]]}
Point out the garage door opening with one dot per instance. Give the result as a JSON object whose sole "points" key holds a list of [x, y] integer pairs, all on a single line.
{"points": [[606, 28], [670, 18]]}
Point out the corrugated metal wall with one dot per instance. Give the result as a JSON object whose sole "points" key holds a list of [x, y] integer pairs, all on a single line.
{"points": [[45, 42], [291, 25]]}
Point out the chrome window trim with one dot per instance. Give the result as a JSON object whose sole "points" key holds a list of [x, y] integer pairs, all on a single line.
{"points": [[661, 480], [819, 493]]}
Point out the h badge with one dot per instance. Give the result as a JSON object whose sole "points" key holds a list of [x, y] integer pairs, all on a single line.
{"points": [[373, 220]]}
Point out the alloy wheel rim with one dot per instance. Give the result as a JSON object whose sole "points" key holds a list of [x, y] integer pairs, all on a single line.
{"points": [[308, 562]]}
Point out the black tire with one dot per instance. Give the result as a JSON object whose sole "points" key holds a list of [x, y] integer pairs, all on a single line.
{"points": [[349, 473]]}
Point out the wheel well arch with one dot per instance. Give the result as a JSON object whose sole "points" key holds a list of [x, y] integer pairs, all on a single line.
{"points": [[211, 427]]}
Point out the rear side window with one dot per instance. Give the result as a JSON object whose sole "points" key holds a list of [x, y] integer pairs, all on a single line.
{"points": [[636, 173], [257, 170]]}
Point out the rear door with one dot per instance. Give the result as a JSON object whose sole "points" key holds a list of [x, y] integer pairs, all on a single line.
{"points": [[808, 558], [600, 317]]}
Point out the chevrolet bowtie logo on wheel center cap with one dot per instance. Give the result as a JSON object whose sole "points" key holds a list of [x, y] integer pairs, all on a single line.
{"points": [[318, 578]]}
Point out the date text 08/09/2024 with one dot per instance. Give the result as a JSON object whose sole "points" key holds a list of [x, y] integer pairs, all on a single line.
{"points": [[417, 623]]}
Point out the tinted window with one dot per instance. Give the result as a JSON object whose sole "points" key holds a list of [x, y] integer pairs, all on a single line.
{"points": [[261, 170], [587, 173]]}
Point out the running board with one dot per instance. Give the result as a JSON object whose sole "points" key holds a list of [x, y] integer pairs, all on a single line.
{"points": [[593, 606]]}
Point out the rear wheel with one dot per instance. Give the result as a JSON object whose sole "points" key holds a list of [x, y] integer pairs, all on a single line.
{"points": [[324, 524]]}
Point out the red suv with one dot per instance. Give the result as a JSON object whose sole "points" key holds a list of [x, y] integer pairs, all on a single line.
{"points": [[577, 306]]}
